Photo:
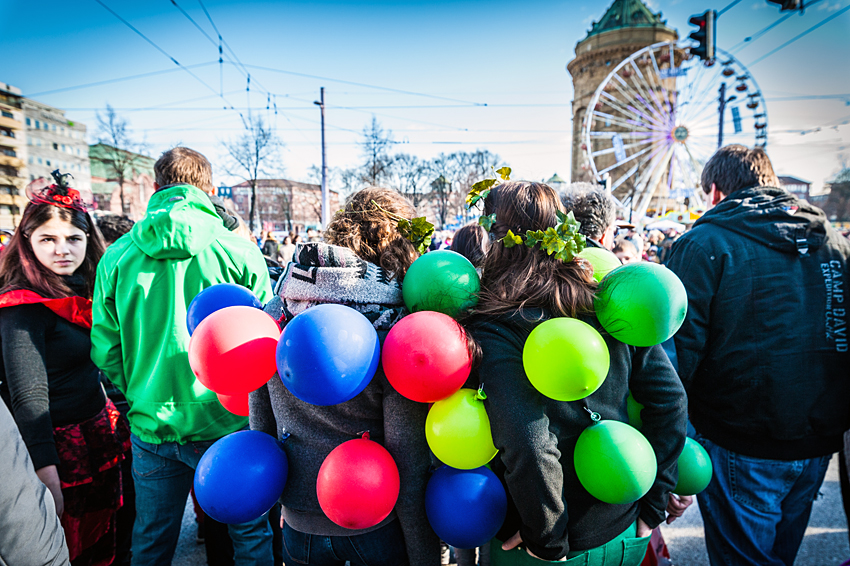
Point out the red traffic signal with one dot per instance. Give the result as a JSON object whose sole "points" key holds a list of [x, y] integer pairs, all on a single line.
{"points": [[704, 35], [788, 4]]}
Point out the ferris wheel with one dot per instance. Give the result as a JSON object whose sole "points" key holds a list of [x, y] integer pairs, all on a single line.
{"points": [[655, 120]]}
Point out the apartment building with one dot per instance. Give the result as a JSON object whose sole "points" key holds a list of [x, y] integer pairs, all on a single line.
{"points": [[13, 152]]}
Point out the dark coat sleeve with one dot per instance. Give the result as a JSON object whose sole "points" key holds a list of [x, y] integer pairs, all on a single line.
{"points": [[655, 385], [30, 532], [22, 332], [699, 272], [529, 450], [404, 439]]}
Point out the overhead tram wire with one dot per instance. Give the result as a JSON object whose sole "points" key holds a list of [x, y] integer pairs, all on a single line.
{"points": [[747, 41], [161, 50], [388, 89], [118, 80], [795, 38], [728, 7]]}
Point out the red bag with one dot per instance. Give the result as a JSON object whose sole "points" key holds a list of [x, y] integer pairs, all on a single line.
{"points": [[656, 553]]}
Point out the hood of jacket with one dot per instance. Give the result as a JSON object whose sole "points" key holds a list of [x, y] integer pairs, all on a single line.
{"points": [[179, 223], [770, 216]]}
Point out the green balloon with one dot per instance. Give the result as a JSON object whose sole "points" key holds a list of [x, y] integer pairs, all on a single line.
{"points": [[602, 261], [458, 431], [634, 408], [641, 304], [565, 359], [442, 281], [694, 469], [614, 462]]}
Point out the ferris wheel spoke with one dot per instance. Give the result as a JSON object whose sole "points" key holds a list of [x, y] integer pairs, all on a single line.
{"points": [[646, 91], [630, 158], [653, 177], [625, 123], [636, 98], [633, 112], [625, 147], [624, 178]]}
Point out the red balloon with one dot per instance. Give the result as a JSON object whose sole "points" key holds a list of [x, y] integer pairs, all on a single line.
{"points": [[425, 356], [232, 350], [358, 484], [236, 404]]}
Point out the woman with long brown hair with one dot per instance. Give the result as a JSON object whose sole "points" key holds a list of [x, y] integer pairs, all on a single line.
{"points": [[362, 266], [551, 516], [73, 433]]}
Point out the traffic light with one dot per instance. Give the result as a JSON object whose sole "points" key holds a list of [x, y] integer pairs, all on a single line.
{"points": [[704, 35], [788, 4]]}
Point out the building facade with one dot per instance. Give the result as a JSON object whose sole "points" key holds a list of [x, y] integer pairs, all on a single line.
{"points": [[121, 181], [54, 142], [626, 27], [800, 188], [283, 205], [13, 156]]}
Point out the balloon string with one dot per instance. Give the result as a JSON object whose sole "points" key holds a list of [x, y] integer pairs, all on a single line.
{"points": [[480, 395], [594, 416], [364, 435]]}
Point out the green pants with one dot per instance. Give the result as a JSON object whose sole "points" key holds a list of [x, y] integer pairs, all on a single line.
{"points": [[624, 550]]}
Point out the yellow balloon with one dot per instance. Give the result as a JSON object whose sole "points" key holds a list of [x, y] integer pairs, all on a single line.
{"points": [[603, 261], [458, 431]]}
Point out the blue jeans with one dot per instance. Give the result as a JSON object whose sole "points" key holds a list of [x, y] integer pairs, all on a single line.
{"points": [[755, 511], [382, 547], [163, 474]]}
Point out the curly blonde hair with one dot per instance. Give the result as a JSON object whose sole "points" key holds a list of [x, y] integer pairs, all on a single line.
{"points": [[370, 233]]}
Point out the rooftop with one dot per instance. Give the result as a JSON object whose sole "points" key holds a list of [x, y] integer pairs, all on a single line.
{"points": [[627, 14]]}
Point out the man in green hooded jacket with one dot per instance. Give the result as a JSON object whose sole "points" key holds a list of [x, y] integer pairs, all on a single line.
{"points": [[145, 283]]}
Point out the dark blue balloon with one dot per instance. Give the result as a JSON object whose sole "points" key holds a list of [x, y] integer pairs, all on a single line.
{"points": [[466, 508], [216, 298], [328, 354], [241, 476]]}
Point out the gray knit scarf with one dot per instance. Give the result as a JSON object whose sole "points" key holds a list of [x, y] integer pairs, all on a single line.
{"points": [[322, 273]]}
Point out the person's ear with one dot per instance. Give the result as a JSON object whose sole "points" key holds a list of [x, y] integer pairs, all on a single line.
{"points": [[716, 196]]}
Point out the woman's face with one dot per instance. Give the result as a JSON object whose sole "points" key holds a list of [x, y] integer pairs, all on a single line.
{"points": [[59, 246]]}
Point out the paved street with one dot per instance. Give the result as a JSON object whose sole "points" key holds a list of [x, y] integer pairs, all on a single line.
{"points": [[825, 544]]}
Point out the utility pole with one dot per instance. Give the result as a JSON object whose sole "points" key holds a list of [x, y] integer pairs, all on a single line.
{"points": [[722, 111], [326, 201]]}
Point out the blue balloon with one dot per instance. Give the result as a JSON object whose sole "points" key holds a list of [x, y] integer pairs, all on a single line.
{"points": [[241, 476], [216, 298], [328, 354], [466, 508]]}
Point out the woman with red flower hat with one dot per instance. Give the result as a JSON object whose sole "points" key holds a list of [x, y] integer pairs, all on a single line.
{"points": [[73, 433]]}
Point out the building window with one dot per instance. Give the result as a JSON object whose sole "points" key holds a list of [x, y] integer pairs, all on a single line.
{"points": [[38, 142], [39, 161], [56, 146], [7, 114], [54, 127], [31, 159], [37, 125], [9, 152], [29, 123]]}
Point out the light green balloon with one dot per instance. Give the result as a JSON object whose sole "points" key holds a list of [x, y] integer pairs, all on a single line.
{"points": [[641, 304], [695, 469], [602, 261], [614, 462], [565, 359], [634, 408], [458, 431]]}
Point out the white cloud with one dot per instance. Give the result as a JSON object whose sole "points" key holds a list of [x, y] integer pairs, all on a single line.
{"points": [[829, 6]]}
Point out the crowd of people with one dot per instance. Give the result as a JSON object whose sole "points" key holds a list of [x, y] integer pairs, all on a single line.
{"points": [[105, 422]]}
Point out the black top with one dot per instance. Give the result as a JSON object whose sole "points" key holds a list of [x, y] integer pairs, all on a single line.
{"points": [[763, 352], [536, 438], [48, 378]]}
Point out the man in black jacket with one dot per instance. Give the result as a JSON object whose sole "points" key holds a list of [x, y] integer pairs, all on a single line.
{"points": [[763, 355]]}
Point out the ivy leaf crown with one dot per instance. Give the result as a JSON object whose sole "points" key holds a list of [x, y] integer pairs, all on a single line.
{"points": [[417, 231], [562, 240]]}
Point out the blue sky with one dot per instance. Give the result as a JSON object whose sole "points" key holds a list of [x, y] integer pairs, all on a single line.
{"points": [[447, 57]]}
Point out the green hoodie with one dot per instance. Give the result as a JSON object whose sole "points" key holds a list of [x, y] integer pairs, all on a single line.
{"points": [[145, 282]]}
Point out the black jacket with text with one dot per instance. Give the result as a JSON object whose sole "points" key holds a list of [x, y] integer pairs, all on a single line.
{"points": [[763, 351]]}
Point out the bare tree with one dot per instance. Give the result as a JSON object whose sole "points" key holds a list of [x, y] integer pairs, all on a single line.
{"points": [[441, 194], [376, 153], [410, 175], [122, 152], [251, 155]]}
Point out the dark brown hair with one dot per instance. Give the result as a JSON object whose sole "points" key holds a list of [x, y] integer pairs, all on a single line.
{"points": [[371, 233], [183, 166], [735, 167], [472, 242], [520, 277], [20, 269]]}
